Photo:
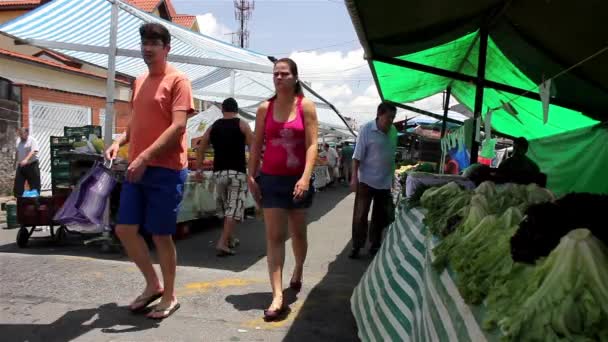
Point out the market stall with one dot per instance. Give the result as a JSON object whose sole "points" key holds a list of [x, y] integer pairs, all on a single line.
{"points": [[321, 174], [506, 262], [199, 199], [400, 295]]}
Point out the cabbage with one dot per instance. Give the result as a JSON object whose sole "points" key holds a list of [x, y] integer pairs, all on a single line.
{"points": [[563, 298], [481, 256]]}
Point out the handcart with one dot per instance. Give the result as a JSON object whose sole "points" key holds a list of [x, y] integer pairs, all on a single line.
{"points": [[36, 212]]}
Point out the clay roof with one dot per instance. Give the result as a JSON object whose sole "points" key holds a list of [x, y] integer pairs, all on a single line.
{"points": [[145, 5], [184, 20], [19, 3], [46, 62]]}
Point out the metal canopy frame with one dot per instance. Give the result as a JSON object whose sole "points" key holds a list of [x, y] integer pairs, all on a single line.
{"points": [[212, 62], [112, 51]]}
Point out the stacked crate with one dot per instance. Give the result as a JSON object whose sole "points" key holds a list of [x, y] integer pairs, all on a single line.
{"points": [[62, 170], [82, 133], [60, 164]]}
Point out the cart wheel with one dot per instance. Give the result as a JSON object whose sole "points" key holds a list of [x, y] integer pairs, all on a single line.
{"points": [[60, 234], [22, 237]]}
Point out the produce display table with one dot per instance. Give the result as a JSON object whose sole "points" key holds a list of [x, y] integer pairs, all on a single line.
{"points": [[322, 177], [417, 179], [199, 199], [402, 298]]}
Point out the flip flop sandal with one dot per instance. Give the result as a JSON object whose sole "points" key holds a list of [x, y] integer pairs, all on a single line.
{"points": [[295, 285], [273, 315], [166, 312], [224, 253], [144, 301]]}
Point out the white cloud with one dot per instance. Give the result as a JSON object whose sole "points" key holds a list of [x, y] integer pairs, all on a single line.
{"points": [[346, 80], [343, 78], [210, 26]]}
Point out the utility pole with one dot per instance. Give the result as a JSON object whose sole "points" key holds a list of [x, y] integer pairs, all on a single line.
{"points": [[242, 13]]}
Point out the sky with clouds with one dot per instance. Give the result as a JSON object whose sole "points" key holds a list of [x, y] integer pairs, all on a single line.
{"points": [[317, 34]]}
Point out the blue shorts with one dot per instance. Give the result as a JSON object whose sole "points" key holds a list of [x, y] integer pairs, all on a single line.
{"points": [[152, 203], [277, 192]]}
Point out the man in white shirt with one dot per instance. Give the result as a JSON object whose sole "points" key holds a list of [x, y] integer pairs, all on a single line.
{"points": [[332, 161], [373, 172], [26, 163]]}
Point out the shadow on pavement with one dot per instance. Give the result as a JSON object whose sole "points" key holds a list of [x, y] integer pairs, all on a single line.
{"points": [[72, 325], [197, 250], [259, 300], [326, 314]]}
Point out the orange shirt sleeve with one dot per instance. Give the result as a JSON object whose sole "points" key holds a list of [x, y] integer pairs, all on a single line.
{"points": [[182, 96]]}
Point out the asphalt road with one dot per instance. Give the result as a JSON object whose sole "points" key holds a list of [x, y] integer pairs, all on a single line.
{"points": [[72, 292]]}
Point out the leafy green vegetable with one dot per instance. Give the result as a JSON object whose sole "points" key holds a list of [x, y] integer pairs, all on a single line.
{"points": [[487, 189], [443, 204], [480, 256], [483, 256], [563, 298]]}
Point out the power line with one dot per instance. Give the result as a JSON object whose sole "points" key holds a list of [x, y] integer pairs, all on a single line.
{"points": [[332, 72], [316, 48]]}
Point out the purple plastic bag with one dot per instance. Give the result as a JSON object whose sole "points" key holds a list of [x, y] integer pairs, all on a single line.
{"points": [[87, 203], [69, 214], [94, 193]]}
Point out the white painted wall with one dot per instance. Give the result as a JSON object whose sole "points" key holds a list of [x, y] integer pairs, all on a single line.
{"points": [[41, 76]]}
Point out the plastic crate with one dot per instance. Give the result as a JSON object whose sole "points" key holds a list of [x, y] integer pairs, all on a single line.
{"points": [[62, 141], [57, 151], [61, 174], [60, 164], [83, 131]]}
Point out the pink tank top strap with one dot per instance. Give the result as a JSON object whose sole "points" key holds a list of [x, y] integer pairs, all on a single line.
{"points": [[299, 108]]}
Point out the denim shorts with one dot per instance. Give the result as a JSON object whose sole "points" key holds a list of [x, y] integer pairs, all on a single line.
{"points": [[153, 202], [277, 192]]}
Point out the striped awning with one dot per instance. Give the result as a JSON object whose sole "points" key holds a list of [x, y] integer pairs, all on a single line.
{"points": [[81, 29]]}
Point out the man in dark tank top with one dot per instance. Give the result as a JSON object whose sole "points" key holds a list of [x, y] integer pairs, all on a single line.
{"points": [[228, 136]]}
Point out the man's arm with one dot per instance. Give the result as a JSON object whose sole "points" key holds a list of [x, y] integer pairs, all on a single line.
{"points": [[169, 138], [246, 130], [123, 138], [358, 155], [355, 171], [33, 152], [202, 148]]}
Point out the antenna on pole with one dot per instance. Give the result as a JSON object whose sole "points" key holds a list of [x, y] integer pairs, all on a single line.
{"points": [[242, 13]]}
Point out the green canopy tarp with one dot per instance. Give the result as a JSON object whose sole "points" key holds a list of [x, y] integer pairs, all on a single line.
{"points": [[528, 42], [574, 161], [538, 38], [404, 85]]}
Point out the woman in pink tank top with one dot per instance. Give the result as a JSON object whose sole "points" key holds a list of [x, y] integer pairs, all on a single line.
{"points": [[286, 125]]}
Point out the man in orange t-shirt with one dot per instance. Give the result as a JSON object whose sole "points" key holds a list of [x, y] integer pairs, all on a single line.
{"points": [[161, 102]]}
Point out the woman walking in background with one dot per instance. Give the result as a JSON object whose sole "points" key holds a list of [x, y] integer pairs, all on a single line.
{"points": [[287, 127]]}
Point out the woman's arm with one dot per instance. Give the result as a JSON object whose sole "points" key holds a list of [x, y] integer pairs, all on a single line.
{"points": [[255, 151], [311, 130]]}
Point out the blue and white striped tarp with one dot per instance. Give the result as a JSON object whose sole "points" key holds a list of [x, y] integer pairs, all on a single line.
{"points": [[87, 23], [402, 298]]}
